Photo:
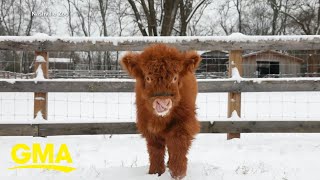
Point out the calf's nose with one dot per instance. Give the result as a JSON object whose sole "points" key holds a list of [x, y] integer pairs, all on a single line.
{"points": [[161, 105]]}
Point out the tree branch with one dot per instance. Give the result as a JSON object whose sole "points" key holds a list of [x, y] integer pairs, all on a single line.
{"points": [[194, 10], [302, 25], [138, 18]]}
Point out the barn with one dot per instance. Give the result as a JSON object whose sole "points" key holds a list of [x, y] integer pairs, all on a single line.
{"points": [[256, 64], [313, 67], [271, 64]]}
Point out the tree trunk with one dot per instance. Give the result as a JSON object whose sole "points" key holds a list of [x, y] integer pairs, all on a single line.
{"points": [[318, 23], [170, 11], [147, 14], [103, 16], [275, 9], [185, 10], [153, 20], [238, 6], [29, 26]]}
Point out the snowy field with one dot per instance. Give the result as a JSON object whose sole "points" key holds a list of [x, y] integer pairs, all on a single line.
{"points": [[124, 157]]}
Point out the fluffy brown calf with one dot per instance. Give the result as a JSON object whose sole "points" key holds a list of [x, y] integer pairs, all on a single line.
{"points": [[166, 91]]}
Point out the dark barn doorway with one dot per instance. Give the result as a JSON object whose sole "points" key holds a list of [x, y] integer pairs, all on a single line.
{"points": [[268, 69]]}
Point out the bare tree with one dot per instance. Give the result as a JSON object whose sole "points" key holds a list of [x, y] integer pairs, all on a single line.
{"points": [[71, 27], [86, 15], [138, 18], [226, 21], [238, 5], [193, 26], [161, 17], [276, 10], [305, 15], [31, 4], [170, 11], [103, 6], [17, 18], [185, 10], [121, 11], [12, 16]]}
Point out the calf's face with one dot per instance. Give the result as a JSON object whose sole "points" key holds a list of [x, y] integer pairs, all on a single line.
{"points": [[160, 69]]}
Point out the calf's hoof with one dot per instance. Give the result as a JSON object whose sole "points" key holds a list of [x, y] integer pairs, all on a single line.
{"points": [[158, 171], [177, 176]]}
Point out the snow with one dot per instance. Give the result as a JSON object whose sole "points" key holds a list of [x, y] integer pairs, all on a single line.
{"points": [[234, 116], [39, 117], [39, 98], [258, 80], [11, 81], [38, 35], [60, 60], [124, 157], [39, 74], [236, 75], [40, 59], [235, 37]]}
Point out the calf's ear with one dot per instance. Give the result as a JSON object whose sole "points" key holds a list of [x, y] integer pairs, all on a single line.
{"points": [[130, 63], [191, 61]]}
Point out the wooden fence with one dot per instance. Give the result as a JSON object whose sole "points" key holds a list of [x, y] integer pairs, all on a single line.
{"points": [[15, 75], [56, 129], [235, 44], [103, 74], [94, 74]]}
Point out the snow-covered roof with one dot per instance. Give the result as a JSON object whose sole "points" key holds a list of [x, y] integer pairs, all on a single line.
{"points": [[246, 56], [218, 52]]}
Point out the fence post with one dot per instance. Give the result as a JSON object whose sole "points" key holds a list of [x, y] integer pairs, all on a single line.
{"points": [[40, 98], [234, 98]]}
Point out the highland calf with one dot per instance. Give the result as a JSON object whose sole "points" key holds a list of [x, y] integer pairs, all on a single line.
{"points": [[166, 91]]}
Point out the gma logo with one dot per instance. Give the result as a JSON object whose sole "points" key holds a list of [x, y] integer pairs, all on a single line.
{"points": [[36, 158]]}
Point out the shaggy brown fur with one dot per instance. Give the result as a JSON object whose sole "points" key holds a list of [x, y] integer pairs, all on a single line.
{"points": [[165, 80]]}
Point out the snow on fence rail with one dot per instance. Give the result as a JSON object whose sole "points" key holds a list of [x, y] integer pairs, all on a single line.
{"points": [[15, 75], [235, 43]]}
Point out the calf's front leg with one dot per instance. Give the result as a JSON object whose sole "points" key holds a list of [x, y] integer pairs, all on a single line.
{"points": [[178, 146], [156, 150]]}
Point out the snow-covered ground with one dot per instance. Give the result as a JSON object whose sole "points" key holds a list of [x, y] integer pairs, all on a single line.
{"points": [[124, 157]]}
